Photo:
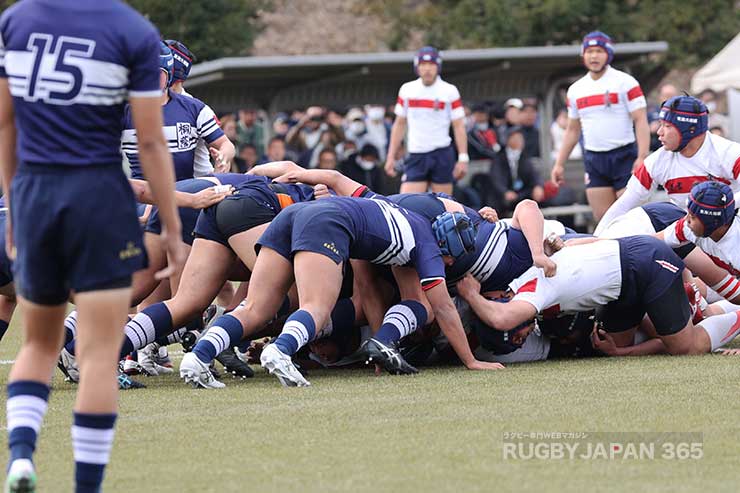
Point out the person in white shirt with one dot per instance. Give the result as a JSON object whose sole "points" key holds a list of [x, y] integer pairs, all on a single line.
{"points": [[428, 105], [604, 104]]}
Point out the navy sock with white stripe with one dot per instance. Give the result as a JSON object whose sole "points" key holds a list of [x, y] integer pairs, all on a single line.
{"points": [[147, 326], [70, 327], [225, 332], [26, 407], [299, 329], [92, 439], [401, 320]]}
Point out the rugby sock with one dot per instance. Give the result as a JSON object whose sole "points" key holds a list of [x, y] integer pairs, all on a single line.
{"points": [[726, 306], [400, 320], [727, 288], [70, 327], [147, 326], [27, 403], [225, 332], [297, 331], [3, 328], [342, 318], [92, 440], [713, 296], [70, 347], [173, 338], [722, 328]]}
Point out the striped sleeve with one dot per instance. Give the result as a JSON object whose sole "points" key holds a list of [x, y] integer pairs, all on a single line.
{"points": [[635, 99], [401, 103], [456, 107], [207, 122], [678, 234]]}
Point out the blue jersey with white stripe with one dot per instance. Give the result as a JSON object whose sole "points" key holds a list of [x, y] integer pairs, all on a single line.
{"points": [[70, 67], [386, 234], [187, 121], [501, 255]]}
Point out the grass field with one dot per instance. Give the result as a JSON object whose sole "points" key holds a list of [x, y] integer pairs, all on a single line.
{"points": [[437, 431]]}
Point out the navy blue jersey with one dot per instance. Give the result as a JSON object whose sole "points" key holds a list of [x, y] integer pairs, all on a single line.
{"points": [[276, 195], [429, 206], [663, 214], [386, 234], [501, 255], [69, 78], [187, 121]]}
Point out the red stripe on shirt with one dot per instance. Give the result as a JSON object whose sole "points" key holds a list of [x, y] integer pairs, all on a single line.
{"points": [[528, 287], [643, 176], [428, 286], [456, 103], [399, 101], [596, 100], [426, 103], [719, 262], [635, 92], [736, 168], [679, 230], [683, 184]]}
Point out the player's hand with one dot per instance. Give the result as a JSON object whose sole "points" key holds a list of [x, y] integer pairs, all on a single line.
{"points": [[483, 365], [177, 253], [543, 262], [461, 169], [557, 175], [289, 177], [489, 214], [321, 191], [390, 168], [602, 341], [553, 243], [468, 286], [208, 197], [222, 165]]}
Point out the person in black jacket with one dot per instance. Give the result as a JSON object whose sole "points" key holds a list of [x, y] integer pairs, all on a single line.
{"points": [[363, 168], [514, 176], [482, 139]]}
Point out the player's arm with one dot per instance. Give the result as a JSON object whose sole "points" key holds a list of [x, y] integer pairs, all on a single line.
{"points": [[642, 135], [199, 200], [274, 169], [637, 192], [222, 151], [601, 340], [461, 142], [398, 131], [156, 163], [8, 160], [570, 139], [342, 185], [499, 316], [528, 218]]}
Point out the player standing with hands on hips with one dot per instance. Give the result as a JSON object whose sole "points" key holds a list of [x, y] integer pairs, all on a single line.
{"points": [[604, 104], [66, 70], [427, 106]]}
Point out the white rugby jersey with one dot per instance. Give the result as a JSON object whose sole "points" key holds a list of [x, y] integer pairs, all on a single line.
{"points": [[202, 163], [429, 111], [725, 253], [604, 108], [588, 276], [717, 158], [634, 222]]}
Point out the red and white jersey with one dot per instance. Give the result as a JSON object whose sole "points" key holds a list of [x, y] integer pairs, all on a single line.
{"points": [[604, 108], [717, 158], [429, 111], [588, 276], [725, 253]]}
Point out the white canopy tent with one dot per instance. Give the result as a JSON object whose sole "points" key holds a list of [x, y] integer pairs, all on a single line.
{"points": [[722, 73]]}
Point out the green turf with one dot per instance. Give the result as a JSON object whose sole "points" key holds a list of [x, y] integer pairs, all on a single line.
{"points": [[437, 431]]}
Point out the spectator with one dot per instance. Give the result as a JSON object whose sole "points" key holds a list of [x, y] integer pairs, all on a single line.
{"points": [[716, 119], [482, 140], [327, 159], [378, 130], [511, 117], [250, 131], [276, 150], [346, 149], [306, 135], [666, 92], [514, 177], [246, 159], [363, 167], [528, 122], [355, 128], [229, 128], [557, 131], [281, 125]]}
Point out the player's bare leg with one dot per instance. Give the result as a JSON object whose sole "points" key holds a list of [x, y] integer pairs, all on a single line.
{"points": [[600, 199], [414, 187], [442, 188]]}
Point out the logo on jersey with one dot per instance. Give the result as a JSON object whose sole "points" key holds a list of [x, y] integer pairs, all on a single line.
{"points": [[331, 247], [184, 135], [130, 251], [667, 266]]}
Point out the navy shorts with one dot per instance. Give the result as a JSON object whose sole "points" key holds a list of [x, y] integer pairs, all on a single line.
{"points": [[610, 168], [321, 227], [75, 228], [233, 215], [652, 284], [435, 166], [6, 266], [188, 216]]}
